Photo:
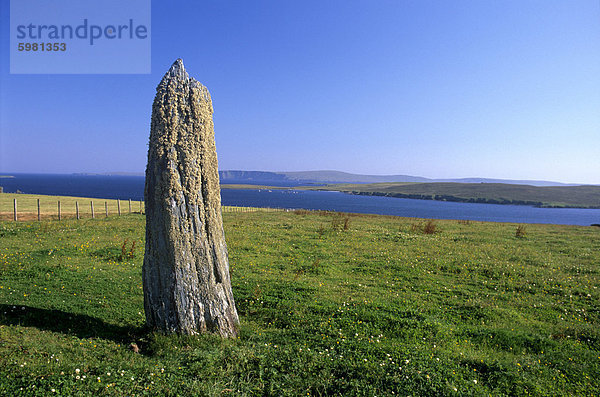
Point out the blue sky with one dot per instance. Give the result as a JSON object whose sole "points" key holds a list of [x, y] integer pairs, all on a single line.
{"points": [[442, 89]]}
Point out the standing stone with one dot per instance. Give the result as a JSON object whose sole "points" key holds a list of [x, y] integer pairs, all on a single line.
{"points": [[186, 271]]}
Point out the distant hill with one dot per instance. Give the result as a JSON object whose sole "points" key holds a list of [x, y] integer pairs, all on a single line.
{"points": [[506, 181], [297, 178], [327, 177], [262, 176], [344, 177]]}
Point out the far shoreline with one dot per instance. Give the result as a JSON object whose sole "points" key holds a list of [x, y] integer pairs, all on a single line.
{"points": [[440, 196]]}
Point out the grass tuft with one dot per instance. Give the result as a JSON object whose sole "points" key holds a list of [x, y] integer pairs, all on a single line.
{"points": [[430, 227]]}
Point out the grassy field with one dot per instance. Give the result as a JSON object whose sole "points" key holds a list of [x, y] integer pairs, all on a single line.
{"points": [[491, 193], [27, 209], [330, 304], [27, 206]]}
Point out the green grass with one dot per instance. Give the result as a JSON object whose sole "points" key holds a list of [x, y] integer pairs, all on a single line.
{"points": [[27, 209], [27, 206], [371, 306]]}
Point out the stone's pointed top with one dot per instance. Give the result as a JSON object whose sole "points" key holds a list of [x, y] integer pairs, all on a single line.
{"points": [[177, 71], [176, 76], [177, 66]]}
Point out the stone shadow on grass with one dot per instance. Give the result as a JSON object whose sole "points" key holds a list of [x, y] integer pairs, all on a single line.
{"points": [[79, 325]]}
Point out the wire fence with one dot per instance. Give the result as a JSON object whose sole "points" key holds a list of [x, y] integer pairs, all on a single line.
{"points": [[26, 207]]}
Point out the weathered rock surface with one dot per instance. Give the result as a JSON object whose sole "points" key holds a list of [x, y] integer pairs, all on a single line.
{"points": [[186, 270]]}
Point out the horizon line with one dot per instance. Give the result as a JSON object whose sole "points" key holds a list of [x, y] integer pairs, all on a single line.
{"points": [[431, 179]]}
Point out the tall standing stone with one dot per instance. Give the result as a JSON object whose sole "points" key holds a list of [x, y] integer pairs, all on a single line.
{"points": [[186, 270]]}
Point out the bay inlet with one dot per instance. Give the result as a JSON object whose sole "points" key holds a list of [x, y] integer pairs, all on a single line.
{"points": [[132, 187]]}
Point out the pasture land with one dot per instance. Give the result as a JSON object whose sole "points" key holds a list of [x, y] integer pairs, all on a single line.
{"points": [[330, 304], [27, 207]]}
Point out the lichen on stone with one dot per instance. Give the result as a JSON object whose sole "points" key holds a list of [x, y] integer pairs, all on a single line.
{"points": [[186, 271]]}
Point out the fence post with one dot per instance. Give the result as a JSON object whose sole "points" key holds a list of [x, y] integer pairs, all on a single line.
{"points": [[39, 215], [77, 209], [15, 209], [130, 206], [59, 210], [119, 206], [92, 208]]}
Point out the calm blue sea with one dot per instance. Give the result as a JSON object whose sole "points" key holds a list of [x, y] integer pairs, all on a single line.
{"points": [[97, 186], [132, 187]]}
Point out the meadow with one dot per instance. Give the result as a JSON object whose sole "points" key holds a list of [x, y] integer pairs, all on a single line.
{"points": [[27, 206], [329, 303]]}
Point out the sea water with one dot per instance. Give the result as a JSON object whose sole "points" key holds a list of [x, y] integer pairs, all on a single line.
{"points": [[132, 187]]}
